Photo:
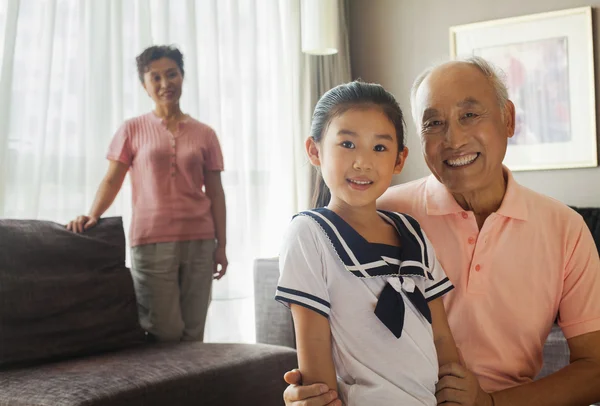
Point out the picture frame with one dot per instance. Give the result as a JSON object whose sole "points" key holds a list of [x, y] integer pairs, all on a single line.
{"points": [[547, 61]]}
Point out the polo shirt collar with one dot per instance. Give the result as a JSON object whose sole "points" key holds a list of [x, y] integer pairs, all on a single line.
{"points": [[439, 201]]}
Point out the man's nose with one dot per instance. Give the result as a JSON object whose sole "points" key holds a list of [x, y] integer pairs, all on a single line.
{"points": [[456, 136]]}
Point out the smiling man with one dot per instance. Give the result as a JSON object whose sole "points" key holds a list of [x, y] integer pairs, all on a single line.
{"points": [[518, 259]]}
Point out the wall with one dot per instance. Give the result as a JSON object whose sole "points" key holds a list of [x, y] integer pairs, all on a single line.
{"points": [[392, 41]]}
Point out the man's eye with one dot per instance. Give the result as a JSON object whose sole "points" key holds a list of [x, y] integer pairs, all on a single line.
{"points": [[347, 144], [380, 148], [433, 123], [470, 115]]}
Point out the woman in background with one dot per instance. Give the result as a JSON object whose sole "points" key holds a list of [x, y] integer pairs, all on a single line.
{"points": [[177, 230]]}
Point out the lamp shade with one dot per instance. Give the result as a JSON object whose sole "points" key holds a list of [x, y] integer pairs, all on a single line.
{"points": [[320, 26]]}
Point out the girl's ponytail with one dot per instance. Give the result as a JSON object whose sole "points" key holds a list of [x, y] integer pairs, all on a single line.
{"points": [[321, 195]]}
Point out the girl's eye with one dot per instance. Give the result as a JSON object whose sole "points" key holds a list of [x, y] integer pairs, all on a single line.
{"points": [[380, 148], [172, 74], [347, 144]]}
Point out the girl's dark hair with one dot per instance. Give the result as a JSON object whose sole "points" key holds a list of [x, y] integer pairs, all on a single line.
{"points": [[341, 99], [156, 52]]}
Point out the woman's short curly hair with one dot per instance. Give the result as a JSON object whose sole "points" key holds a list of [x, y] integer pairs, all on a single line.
{"points": [[155, 53]]}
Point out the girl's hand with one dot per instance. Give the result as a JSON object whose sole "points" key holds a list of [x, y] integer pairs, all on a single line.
{"points": [[220, 262], [82, 223], [317, 394]]}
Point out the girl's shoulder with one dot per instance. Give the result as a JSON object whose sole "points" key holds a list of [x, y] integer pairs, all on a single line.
{"points": [[304, 230], [402, 220], [303, 224]]}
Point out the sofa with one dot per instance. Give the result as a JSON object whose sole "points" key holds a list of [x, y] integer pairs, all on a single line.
{"points": [[69, 332], [274, 323]]}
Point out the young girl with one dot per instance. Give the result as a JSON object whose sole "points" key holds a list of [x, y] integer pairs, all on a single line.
{"points": [[363, 285]]}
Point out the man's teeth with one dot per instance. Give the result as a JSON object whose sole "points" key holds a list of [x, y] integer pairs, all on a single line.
{"points": [[360, 182], [463, 160]]}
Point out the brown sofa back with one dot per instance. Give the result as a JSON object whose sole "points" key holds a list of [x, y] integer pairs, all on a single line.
{"points": [[64, 294]]}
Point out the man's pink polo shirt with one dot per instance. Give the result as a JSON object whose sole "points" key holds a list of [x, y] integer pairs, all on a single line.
{"points": [[532, 260], [167, 178]]}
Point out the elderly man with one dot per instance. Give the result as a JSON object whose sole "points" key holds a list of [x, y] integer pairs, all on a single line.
{"points": [[517, 259]]}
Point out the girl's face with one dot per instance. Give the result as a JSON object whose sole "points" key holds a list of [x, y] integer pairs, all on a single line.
{"points": [[358, 154], [163, 81]]}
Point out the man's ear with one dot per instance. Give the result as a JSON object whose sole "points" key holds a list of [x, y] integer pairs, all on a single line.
{"points": [[402, 155], [312, 150], [509, 118]]}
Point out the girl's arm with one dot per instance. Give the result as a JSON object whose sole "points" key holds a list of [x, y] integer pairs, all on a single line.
{"points": [[444, 342], [313, 343]]}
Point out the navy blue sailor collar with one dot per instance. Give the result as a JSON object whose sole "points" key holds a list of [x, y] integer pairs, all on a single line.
{"points": [[364, 261], [358, 255]]}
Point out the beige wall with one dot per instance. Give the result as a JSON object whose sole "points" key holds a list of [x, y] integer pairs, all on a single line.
{"points": [[392, 41]]}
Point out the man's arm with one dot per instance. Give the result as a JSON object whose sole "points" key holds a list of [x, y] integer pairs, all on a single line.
{"points": [[577, 384], [579, 317]]}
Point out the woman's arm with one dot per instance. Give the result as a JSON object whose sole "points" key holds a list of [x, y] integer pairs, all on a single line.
{"points": [[313, 343], [105, 196], [444, 342], [214, 191]]}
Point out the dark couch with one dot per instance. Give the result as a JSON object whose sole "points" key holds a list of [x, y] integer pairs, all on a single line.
{"points": [[274, 322], [69, 333]]}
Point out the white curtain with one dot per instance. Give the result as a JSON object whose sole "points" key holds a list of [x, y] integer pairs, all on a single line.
{"points": [[68, 79]]}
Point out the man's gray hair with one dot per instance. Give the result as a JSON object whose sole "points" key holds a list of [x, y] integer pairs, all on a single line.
{"points": [[493, 74]]}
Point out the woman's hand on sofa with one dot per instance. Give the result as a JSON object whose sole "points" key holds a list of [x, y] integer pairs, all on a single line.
{"points": [[82, 223]]}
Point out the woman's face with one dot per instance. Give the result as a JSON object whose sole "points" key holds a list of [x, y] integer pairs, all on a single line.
{"points": [[163, 81]]}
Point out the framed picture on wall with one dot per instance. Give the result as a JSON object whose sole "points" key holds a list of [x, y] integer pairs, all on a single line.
{"points": [[548, 64]]}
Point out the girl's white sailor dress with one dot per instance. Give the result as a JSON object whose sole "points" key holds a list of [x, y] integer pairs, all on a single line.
{"points": [[375, 297]]}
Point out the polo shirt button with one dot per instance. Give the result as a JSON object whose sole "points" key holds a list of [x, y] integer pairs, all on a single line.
{"points": [[471, 240], [478, 267], [465, 215], [172, 173]]}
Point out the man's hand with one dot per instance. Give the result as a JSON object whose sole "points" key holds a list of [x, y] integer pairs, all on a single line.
{"points": [[459, 386], [220, 260], [317, 394]]}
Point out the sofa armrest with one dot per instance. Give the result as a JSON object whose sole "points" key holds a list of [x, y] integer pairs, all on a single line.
{"points": [[556, 352], [273, 320]]}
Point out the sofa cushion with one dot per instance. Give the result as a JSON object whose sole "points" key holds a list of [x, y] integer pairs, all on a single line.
{"points": [[64, 294], [591, 216], [188, 373]]}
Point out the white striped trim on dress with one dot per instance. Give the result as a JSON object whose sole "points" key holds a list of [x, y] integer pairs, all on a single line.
{"points": [[293, 296], [410, 228], [357, 265], [442, 287]]}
